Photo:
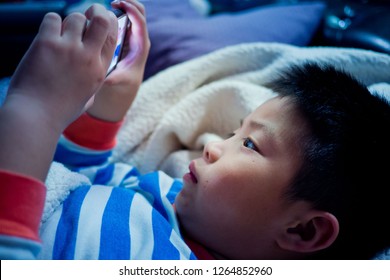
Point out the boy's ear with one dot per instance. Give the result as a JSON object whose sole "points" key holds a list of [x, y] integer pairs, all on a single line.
{"points": [[316, 231]]}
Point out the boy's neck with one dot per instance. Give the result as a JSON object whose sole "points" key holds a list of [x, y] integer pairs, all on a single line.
{"points": [[199, 251]]}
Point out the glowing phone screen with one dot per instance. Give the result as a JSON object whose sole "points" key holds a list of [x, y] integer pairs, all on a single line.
{"points": [[122, 26]]}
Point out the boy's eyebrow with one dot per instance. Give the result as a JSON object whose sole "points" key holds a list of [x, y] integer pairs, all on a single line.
{"points": [[262, 126], [257, 125], [266, 129]]}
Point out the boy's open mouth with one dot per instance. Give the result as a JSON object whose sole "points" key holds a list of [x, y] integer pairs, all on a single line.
{"points": [[193, 172]]}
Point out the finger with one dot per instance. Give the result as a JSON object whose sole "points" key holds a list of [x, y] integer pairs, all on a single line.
{"points": [[140, 7], [110, 43], [137, 18], [74, 26], [50, 26], [98, 27]]}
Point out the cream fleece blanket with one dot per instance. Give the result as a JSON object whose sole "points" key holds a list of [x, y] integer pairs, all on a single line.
{"points": [[179, 110]]}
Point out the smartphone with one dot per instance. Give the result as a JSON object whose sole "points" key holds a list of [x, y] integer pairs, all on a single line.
{"points": [[123, 24]]}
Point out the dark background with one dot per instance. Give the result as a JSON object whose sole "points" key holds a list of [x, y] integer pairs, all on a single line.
{"points": [[347, 23]]}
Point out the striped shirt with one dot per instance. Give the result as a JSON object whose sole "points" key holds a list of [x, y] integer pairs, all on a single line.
{"points": [[122, 215]]}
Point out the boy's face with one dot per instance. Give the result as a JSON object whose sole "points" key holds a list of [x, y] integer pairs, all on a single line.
{"points": [[232, 200]]}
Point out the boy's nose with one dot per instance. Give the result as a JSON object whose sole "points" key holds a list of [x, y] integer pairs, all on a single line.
{"points": [[212, 151]]}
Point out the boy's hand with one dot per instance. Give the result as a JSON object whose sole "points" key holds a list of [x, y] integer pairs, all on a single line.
{"points": [[64, 66], [66, 63], [120, 87]]}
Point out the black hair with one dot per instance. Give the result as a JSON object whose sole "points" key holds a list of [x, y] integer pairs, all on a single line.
{"points": [[346, 156]]}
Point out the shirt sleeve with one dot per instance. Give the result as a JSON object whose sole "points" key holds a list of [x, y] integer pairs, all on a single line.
{"points": [[88, 141], [90, 132], [21, 206]]}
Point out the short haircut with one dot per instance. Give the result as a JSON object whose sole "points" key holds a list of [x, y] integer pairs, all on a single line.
{"points": [[346, 156]]}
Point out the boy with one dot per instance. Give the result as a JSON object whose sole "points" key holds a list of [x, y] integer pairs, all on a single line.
{"points": [[290, 183]]}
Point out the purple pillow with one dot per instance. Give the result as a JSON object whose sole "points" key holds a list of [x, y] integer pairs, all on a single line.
{"points": [[178, 33]]}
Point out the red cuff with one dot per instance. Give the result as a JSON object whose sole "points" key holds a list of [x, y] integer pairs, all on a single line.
{"points": [[93, 133], [22, 199]]}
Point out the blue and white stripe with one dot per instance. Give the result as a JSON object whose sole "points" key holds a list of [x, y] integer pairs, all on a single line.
{"points": [[123, 215]]}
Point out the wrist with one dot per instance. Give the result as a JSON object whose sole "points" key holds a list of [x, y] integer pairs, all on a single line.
{"points": [[113, 101]]}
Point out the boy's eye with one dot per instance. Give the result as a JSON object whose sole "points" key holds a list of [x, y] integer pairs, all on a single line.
{"points": [[248, 143]]}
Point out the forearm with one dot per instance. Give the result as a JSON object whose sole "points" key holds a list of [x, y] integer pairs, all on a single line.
{"points": [[113, 101], [28, 138]]}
